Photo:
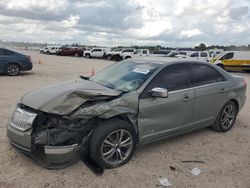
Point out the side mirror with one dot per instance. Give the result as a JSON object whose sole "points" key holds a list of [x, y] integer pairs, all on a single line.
{"points": [[159, 92]]}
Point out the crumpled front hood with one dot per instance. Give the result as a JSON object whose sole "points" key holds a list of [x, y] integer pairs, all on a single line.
{"points": [[65, 97]]}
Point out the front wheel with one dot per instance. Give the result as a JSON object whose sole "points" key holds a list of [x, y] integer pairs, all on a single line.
{"points": [[109, 57], [12, 69], [87, 55], [226, 117], [113, 143]]}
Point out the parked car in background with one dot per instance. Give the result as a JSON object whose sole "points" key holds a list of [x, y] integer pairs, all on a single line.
{"points": [[95, 52], [70, 51], [161, 52], [233, 60], [200, 55], [137, 53], [43, 50], [130, 103], [177, 54], [50, 49], [12, 63], [142, 53], [110, 54], [124, 54]]}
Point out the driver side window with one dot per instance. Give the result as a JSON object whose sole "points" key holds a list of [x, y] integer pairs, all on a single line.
{"points": [[173, 77]]}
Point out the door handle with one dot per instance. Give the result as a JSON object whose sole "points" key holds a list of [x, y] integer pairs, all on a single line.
{"points": [[186, 98], [222, 90]]}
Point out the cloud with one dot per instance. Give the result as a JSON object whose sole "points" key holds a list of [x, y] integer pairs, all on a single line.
{"points": [[126, 22], [237, 13], [190, 33]]}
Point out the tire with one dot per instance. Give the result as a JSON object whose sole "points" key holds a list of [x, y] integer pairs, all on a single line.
{"points": [[12, 69], [48, 53], [226, 118], [76, 54], [109, 152], [87, 55], [109, 57], [127, 57]]}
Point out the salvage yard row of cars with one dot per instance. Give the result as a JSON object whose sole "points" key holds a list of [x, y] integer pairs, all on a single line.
{"points": [[12, 63]]}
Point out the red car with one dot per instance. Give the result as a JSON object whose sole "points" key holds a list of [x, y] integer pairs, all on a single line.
{"points": [[70, 51]]}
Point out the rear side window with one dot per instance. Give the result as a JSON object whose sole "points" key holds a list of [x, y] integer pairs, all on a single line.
{"points": [[203, 74], [172, 78], [203, 54], [97, 50], [128, 50], [195, 54], [228, 56], [144, 51]]}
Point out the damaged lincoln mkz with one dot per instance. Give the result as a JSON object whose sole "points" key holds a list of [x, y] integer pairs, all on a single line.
{"points": [[130, 103]]}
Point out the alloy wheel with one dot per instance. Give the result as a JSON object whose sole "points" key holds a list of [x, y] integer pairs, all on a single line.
{"points": [[13, 69], [228, 116], [116, 147]]}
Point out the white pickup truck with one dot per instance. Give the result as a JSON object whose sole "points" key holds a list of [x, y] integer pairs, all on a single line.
{"points": [[49, 50], [137, 53], [95, 52]]}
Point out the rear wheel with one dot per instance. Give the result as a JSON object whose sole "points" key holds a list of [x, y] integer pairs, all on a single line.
{"points": [[12, 69], [226, 117], [113, 143], [76, 54], [48, 53]]}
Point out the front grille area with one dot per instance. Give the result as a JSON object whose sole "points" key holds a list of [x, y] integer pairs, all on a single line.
{"points": [[22, 120]]}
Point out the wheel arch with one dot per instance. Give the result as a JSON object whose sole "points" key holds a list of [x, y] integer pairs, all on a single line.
{"points": [[125, 117], [236, 102]]}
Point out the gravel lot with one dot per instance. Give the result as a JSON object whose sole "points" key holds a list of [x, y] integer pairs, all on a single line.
{"points": [[226, 155]]}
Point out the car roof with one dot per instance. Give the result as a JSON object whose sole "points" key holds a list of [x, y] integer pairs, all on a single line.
{"points": [[166, 60]]}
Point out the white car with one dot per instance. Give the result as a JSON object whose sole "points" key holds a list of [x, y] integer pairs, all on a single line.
{"points": [[110, 54], [49, 50], [200, 55], [95, 52]]}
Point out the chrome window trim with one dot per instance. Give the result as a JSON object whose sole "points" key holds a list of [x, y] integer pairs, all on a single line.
{"points": [[197, 87]]}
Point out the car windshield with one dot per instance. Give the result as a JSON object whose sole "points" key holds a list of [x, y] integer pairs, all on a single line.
{"points": [[125, 76]]}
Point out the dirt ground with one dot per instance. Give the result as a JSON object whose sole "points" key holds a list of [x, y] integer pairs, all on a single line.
{"points": [[226, 156]]}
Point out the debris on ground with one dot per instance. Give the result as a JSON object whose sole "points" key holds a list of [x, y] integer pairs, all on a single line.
{"points": [[196, 171], [172, 168], [193, 161], [164, 182]]}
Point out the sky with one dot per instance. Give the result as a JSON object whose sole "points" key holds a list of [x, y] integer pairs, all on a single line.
{"points": [[176, 23]]}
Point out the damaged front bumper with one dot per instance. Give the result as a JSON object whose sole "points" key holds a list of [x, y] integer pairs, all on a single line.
{"points": [[50, 157]]}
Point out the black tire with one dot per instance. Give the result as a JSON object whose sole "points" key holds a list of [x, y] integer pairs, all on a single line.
{"points": [[103, 132], [87, 55], [76, 54], [127, 57], [109, 57], [12, 69], [219, 124], [48, 53]]}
